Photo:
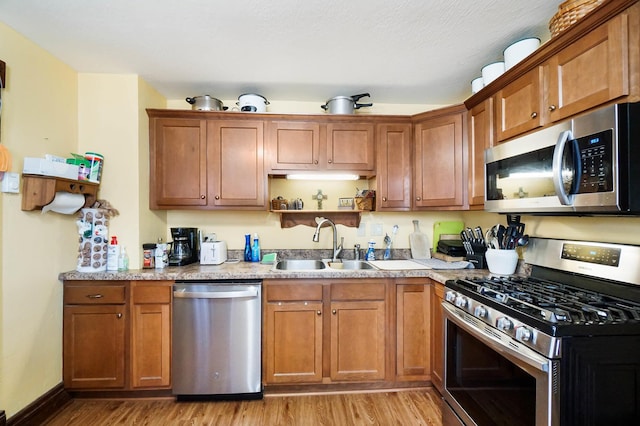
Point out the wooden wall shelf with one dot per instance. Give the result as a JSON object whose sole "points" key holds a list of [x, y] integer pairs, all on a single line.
{"points": [[291, 218], [38, 191]]}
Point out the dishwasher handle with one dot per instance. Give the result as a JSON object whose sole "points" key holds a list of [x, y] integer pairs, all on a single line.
{"points": [[218, 294]]}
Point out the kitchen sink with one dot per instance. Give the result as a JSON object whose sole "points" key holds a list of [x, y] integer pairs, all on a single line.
{"points": [[300, 265], [351, 264]]}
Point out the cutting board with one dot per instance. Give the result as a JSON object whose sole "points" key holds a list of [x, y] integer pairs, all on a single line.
{"points": [[443, 228], [419, 243], [397, 265]]}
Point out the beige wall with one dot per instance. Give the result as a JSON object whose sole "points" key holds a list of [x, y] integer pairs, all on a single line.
{"points": [[39, 116]]}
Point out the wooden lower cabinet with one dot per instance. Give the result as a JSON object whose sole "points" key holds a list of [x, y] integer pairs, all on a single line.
{"points": [[150, 335], [294, 332], [413, 330], [358, 344], [94, 346], [437, 335], [116, 335], [318, 331]]}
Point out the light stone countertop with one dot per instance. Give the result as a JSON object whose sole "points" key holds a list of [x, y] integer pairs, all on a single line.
{"points": [[249, 270]]}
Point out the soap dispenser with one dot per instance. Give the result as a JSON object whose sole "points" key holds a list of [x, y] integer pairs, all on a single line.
{"points": [[255, 250], [371, 254]]}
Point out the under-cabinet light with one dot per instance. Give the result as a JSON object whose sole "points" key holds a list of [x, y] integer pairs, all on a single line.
{"points": [[323, 176]]}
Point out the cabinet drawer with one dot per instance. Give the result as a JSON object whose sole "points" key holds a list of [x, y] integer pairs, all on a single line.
{"points": [[94, 294], [151, 294], [291, 292], [358, 291]]}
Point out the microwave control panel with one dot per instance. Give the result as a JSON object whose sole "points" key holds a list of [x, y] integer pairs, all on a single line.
{"points": [[596, 157]]}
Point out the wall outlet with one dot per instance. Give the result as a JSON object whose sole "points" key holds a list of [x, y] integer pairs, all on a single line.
{"points": [[362, 229], [376, 229], [11, 183]]}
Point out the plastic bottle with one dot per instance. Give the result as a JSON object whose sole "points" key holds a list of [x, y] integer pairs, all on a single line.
{"points": [[255, 250], [371, 254], [247, 248], [123, 260], [113, 252]]}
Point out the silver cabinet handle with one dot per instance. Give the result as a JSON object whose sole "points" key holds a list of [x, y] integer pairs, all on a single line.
{"points": [[418, 199], [329, 161], [217, 197], [202, 197], [552, 108], [118, 315], [334, 312], [384, 199], [95, 296], [319, 312], [534, 114]]}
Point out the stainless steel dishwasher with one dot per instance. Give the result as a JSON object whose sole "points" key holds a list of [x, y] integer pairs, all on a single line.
{"points": [[217, 340]]}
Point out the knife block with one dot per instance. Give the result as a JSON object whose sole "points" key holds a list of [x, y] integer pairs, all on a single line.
{"points": [[478, 259]]}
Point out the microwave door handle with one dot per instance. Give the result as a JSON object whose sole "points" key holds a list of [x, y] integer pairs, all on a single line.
{"points": [[565, 199]]}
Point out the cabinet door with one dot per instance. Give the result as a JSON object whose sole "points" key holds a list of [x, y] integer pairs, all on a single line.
{"points": [[413, 328], [294, 145], [293, 342], [393, 172], [519, 106], [480, 139], [358, 341], [235, 150], [438, 164], [178, 163], [437, 333], [350, 146], [151, 336], [591, 71], [94, 346]]}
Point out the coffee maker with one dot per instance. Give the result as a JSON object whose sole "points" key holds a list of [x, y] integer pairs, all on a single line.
{"points": [[184, 248]]}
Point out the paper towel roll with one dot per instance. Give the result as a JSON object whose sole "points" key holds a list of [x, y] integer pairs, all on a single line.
{"points": [[65, 203]]}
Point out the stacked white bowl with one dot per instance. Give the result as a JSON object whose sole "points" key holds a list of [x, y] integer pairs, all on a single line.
{"points": [[512, 55]]}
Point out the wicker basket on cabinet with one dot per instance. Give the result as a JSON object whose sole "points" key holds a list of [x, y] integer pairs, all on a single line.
{"points": [[570, 12]]}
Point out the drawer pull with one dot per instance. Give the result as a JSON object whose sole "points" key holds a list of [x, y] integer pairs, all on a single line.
{"points": [[319, 312], [384, 199], [202, 197], [534, 114], [334, 312], [552, 108], [95, 296], [118, 315]]}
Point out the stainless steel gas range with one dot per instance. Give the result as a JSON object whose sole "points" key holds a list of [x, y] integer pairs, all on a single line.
{"points": [[560, 347]]}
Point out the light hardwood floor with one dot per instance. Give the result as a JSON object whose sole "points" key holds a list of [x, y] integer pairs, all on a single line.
{"points": [[414, 407]]}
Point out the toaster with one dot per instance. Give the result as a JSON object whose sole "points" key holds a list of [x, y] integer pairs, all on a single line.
{"points": [[213, 252]]}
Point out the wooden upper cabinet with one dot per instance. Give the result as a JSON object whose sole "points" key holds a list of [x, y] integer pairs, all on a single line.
{"points": [[591, 71], [294, 145], [519, 105], [438, 160], [235, 151], [178, 162], [393, 170], [350, 146], [480, 138]]}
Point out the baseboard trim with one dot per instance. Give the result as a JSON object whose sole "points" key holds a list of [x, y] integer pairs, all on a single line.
{"points": [[42, 408]]}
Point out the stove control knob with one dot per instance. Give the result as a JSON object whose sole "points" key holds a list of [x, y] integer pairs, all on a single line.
{"points": [[523, 334], [450, 296], [462, 302], [480, 311], [504, 324]]}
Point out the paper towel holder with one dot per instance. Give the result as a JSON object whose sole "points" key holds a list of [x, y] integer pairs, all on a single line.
{"points": [[38, 191]]}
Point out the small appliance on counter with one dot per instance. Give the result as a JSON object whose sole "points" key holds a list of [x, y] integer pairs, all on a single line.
{"points": [[212, 251], [184, 248]]}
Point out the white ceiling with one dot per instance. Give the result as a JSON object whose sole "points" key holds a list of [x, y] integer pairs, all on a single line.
{"points": [[400, 51]]}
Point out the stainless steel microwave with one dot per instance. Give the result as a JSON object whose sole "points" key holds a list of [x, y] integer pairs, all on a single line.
{"points": [[587, 165]]}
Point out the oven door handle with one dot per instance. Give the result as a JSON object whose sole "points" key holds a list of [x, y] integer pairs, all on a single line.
{"points": [[526, 355]]}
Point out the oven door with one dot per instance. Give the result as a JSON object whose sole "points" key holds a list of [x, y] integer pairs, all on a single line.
{"points": [[490, 379]]}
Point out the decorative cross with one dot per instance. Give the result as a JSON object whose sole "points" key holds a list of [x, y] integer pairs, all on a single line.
{"points": [[319, 197]]}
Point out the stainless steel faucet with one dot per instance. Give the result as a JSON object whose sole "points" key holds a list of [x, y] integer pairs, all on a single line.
{"points": [[337, 249]]}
